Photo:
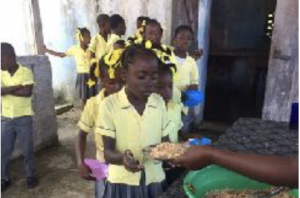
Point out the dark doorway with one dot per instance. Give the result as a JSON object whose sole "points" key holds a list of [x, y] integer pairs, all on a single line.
{"points": [[238, 59]]}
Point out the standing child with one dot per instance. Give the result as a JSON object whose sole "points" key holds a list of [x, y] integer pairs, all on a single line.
{"points": [[187, 74], [16, 115], [118, 29], [129, 121], [111, 84], [99, 43], [187, 78], [83, 61]]}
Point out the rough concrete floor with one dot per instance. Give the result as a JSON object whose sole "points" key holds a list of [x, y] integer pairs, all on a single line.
{"points": [[56, 168]]}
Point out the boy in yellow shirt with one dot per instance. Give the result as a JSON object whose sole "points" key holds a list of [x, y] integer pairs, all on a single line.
{"points": [[118, 29], [111, 84], [99, 44], [16, 115]]}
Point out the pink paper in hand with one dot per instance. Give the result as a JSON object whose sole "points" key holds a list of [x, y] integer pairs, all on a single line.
{"points": [[99, 169]]}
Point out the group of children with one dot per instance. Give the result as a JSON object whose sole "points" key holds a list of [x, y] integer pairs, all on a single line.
{"points": [[136, 102]]}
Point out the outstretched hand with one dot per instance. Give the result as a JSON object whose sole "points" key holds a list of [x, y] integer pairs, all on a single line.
{"points": [[194, 158]]}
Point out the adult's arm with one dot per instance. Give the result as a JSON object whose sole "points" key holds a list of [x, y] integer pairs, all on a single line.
{"points": [[275, 170]]}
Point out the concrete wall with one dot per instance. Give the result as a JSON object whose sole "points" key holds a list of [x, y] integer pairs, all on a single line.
{"points": [[282, 81], [45, 123]]}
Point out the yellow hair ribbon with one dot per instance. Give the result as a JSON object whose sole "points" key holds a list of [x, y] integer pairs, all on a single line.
{"points": [[112, 59], [92, 82]]}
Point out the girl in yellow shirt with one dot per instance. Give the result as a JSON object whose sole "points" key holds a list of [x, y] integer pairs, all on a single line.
{"points": [[109, 74], [130, 120], [83, 61]]}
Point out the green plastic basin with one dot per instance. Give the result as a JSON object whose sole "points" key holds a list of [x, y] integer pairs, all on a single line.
{"points": [[198, 183]]}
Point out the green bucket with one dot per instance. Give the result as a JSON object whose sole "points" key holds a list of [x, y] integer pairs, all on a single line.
{"points": [[198, 183]]}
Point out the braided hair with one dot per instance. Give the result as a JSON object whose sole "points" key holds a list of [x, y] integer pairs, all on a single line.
{"points": [[182, 28], [134, 52]]}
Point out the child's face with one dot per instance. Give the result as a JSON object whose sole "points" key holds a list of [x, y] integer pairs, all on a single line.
{"points": [[164, 86], [122, 28], [153, 33], [7, 61], [139, 23], [106, 27], [183, 40], [111, 86], [86, 38], [141, 77]]}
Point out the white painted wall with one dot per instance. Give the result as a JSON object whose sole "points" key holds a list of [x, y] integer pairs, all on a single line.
{"points": [[60, 18]]}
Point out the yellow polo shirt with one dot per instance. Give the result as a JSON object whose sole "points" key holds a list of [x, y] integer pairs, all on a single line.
{"points": [[87, 122], [99, 46], [82, 58], [174, 110], [118, 119], [112, 40], [187, 73], [14, 106]]}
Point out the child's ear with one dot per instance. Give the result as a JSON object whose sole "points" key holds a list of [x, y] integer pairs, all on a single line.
{"points": [[124, 75]]}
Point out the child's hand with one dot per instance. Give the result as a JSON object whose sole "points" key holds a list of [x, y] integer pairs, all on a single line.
{"points": [[130, 163], [193, 87], [44, 49], [85, 172], [197, 54]]}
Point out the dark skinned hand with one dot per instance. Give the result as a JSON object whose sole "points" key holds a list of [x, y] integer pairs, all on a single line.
{"points": [[130, 163], [197, 54], [85, 172], [194, 158]]}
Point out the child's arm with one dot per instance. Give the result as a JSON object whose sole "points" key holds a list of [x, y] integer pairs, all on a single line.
{"points": [[10, 89], [83, 169], [18, 90], [114, 157], [276, 170], [197, 54], [54, 53]]}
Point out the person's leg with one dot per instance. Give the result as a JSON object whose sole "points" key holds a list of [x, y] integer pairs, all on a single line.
{"points": [[99, 188], [8, 137], [24, 129]]}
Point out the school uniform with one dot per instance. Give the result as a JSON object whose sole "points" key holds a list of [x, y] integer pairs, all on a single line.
{"points": [[112, 40], [99, 45], [119, 119], [83, 63], [87, 124], [16, 121], [187, 74], [174, 110]]}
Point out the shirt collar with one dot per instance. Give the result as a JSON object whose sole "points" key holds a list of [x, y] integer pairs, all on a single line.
{"points": [[125, 104]]}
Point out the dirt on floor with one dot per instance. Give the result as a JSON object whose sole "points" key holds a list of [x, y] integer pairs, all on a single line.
{"points": [[55, 167]]}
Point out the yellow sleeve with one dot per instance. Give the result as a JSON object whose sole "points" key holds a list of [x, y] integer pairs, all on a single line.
{"points": [[71, 51], [105, 125], [167, 125], [93, 45], [194, 73], [28, 78], [86, 122]]}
